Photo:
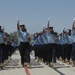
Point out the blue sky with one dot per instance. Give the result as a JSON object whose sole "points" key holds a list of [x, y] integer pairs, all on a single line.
{"points": [[35, 13]]}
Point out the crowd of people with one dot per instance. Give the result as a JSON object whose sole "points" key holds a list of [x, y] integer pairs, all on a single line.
{"points": [[48, 45], [7, 47]]}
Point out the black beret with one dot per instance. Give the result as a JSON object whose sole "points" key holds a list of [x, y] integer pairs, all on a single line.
{"points": [[22, 25], [50, 27], [69, 30]]}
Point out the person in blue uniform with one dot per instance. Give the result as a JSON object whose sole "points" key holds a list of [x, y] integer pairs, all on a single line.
{"points": [[36, 46], [73, 43], [51, 47], [1, 48], [45, 45], [8, 46], [69, 46], [61, 46], [64, 46], [24, 39], [57, 46], [41, 47]]}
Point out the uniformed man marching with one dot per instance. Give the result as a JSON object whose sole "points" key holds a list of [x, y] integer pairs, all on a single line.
{"points": [[73, 43], [1, 48], [24, 44]]}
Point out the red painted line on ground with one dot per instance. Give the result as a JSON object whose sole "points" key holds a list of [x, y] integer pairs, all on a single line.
{"points": [[26, 70]]}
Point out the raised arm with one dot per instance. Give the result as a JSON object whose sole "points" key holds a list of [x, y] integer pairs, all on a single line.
{"points": [[18, 26], [48, 24], [73, 26]]}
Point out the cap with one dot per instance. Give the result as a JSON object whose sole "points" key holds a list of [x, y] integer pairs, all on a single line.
{"points": [[22, 25], [69, 30], [50, 27], [55, 33]]}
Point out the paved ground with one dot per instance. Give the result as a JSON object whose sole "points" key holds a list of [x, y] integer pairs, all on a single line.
{"points": [[14, 68]]}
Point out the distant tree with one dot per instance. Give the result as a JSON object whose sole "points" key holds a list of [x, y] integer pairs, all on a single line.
{"points": [[14, 37]]}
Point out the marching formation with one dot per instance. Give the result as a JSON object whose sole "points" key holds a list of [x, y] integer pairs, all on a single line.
{"points": [[7, 47], [48, 45]]}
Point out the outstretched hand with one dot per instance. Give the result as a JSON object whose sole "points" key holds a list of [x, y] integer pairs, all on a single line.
{"points": [[18, 27], [18, 21]]}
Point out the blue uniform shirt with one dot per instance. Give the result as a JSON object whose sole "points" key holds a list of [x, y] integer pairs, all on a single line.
{"points": [[58, 41], [51, 38], [23, 36], [69, 39], [1, 38], [73, 36], [36, 42], [44, 37], [41, 41], [64, 38]]}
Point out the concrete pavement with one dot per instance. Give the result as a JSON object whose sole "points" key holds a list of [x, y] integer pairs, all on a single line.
{"points": [[37, 68]]}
